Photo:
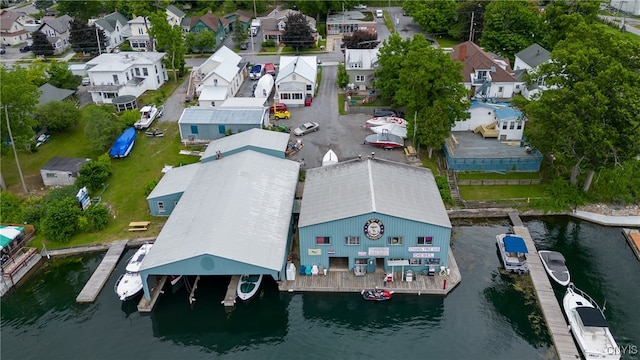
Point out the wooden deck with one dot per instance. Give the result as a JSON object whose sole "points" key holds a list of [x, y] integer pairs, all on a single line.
{"points": [[633, 239], [556, 323], [232, 292], [346, 281], [99, 277], [145, 306]]}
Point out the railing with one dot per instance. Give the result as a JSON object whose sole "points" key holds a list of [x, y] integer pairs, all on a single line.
{"points": [[105, 87]]}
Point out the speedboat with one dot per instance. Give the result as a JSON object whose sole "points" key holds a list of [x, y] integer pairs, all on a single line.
{"points": [[376, 294], [383, 120], [384, 140], [589, 326], [513, 252], [554, 264], [124, 144], [329, 158], [130, 283], [248, 286], [147, 115], [394, 129]]}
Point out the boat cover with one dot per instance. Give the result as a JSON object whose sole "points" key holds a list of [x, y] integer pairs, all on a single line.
{"points": [[591, 317], [8, 233], [554, 256], [119, 148], [515, 244]]}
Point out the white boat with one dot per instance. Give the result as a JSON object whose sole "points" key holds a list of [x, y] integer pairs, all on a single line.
{"points": [[392, 128], [513, 252], [130, 283], [248, 286], [383, 120], [589, 326], [147, 115], [329, 158], [555, 265]]}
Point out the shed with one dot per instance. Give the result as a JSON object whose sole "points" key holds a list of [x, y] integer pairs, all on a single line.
{"points": [[61, 171], [204, 124], [265, 141], [164, 197], [49, 93]]}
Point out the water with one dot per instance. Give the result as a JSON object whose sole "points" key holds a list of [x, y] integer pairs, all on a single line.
{"points": [[491, 315]]}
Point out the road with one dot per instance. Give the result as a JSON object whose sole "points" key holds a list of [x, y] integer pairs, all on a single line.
{"points": [[629, 23]]}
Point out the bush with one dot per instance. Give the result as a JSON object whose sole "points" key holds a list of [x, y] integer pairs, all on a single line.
{"points": [[61, 219], [269, 43], [10, 208], [149, 186], [445, 192], [98, 217]]}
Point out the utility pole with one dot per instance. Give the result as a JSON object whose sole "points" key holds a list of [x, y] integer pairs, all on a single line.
{"points": [[98, 40], [473, 13], [15, 153]]}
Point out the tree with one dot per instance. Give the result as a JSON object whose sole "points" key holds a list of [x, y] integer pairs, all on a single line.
{"points": [[297, 32], [60, 220], [37, 73], [360, 39], [229, 6], [318, 7], [390, 58], [57, 116], [83, 9], [343, 76], [84, 38], [129, 117], [102, 127], [461, 26], [61, 77], [169, 39], [239, 33], [20, 97], [588, 119], [10, 208], [434, 16], [560, 17], [43, 4], [95, 173], [97, 217], [41, 45], [510, 26], [201, 41], [145, 9]]}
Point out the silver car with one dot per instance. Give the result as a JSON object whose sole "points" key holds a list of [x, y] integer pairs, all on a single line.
{"points": [[306, 128]]}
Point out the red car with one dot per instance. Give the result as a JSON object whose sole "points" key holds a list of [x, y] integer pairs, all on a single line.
{"points": [[270, 69], [279, 107], [308, 100]]}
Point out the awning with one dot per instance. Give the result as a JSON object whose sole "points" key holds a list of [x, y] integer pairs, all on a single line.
{"points": [[515, 244], [8, 234], [398, 262]]}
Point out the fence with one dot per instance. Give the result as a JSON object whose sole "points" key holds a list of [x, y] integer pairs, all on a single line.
{"points": [[500, 182]]}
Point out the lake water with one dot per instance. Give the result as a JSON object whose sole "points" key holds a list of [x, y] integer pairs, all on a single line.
{"points": [[490, 315]]}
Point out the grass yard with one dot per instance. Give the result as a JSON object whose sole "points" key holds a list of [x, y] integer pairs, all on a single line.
{"points": [[503, 192], [445, 41], [628, 35]]}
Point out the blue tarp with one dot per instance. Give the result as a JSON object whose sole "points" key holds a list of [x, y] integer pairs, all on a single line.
{"points": [[514, 244], [122, 147]]}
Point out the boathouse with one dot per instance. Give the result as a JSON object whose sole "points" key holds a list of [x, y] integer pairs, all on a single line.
{"points": [[368, 215]]}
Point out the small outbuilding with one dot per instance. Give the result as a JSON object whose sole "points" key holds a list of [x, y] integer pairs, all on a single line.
{"points": [[60, 171], [205, 123], [49, 93]]}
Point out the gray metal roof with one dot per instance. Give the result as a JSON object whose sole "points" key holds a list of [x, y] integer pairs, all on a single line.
{"points": [[265, 139], [175, 11], [534, 55], [358, 187], [175, 180], [204, 115], [64, 164], [49, 92], [238, 208]]}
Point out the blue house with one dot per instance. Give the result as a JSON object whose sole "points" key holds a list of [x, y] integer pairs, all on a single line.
{"points": [[373, 215], [202, 123]]}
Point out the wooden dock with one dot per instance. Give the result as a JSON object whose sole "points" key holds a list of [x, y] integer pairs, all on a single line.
{"points": [[145, 306], [99, 277], [633, 239], [556, 323], [232, 292]]}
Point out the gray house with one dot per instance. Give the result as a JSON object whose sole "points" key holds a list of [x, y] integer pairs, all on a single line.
{"points": [[361, 65], [203, 123], [61, 171]]}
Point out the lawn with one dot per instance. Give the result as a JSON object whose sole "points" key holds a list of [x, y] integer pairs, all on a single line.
{"points": [[628, 35], [503, 192], [445, 41]]}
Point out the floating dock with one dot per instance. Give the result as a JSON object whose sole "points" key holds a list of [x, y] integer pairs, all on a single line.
{"points": [[556, 323], [633, 238], [99, 277]]}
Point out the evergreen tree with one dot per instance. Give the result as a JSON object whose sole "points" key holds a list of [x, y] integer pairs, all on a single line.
{"points": [[360, 39], [41, 45], [297, 32], [84, 38], [239, 33]]}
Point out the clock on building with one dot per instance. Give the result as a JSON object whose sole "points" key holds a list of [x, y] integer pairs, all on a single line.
{"points": [[374, 229]]}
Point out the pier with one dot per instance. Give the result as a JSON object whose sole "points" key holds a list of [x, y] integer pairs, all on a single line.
{"points": [[99, 277], [145, 306], [232, 292], [556, 323]]}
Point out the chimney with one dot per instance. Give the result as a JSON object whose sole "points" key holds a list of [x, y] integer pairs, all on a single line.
{"points": [[462, 52]]}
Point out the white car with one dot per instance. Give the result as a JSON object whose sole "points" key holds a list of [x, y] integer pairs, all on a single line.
{"points": [[86, 81], [360, 7], [379, 13]]}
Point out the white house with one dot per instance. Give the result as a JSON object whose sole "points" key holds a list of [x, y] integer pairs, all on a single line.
{"points": [[222, 69], [361, 65], [296, 79], [527, 61], [125, 73], [486, 75], [139, 39], [57, 31], [115, 27], [492, 120], [174, 15], [61, 171]]}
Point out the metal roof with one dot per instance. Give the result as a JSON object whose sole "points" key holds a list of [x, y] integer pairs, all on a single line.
{"points": [[534, 55], [358, 187], [211, 92], [64, 164], [507, 113], [266, 139], [203, 115], [49, 93], [305, 66], [176, 180], [244, 103], [237, 208], [367, 58]]}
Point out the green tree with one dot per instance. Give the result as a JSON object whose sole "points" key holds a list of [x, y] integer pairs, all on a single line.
{"points": [[461, 25], [20, 97], [390, 58], [297, 32], [60, 220], [229, 6], [61, 193], [561, 16], [57, 116], [103, 127], [97, 217], [43, 4], [434, 16], [360, 39], [37, 73], [145, 8], [318, 8], [41, 45], [95, 173], [239, 34], [588, 119], [204, 40], [343, 76], [10, 208], [129, 117], [170, 40], [510, 26], [84, 38], [60, 76], [83, 9]]}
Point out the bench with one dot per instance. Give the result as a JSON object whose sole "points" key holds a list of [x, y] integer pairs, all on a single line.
{"points": [[410, 151], [139, 225]]}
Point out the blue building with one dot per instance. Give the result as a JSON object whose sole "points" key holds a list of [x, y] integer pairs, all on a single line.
{"points": [[373, 215], [202, 123]]}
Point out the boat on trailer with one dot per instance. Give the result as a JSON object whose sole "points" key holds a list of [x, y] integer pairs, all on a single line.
{"points": [[248, 286], [124, 144], [589, 326], [384, 140], [130, 283], [513, 252], [147, 115], [384, 120], [555, 265]]}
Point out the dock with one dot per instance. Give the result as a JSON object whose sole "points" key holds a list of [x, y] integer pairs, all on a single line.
{"points": [[232, 292], [633, 238], [145, 306], [99, 277], [556, 323]]}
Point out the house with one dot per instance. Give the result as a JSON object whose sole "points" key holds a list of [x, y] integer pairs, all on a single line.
{"points": [[174, 15], [12, 27], [527, 62], [629, 6], [244, 18], [212, 95], [361, 65], [222, 69], [296, 79], [57, 31], [273, 25], [49, 93], [61, 171], [139, 39], [351, 218], [125, 73], [210, 22], [486, 75], [347, 22], [115, 27], [203, 124]]}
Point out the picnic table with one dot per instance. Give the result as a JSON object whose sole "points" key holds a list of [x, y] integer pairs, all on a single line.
{"points": [[139, 225]]}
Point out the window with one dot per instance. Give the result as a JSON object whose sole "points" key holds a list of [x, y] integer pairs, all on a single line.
{"points": [[137, 72], [213, 103], [145, 72], [222, 129], [115, 79], [512, 125], [215, 82], [519, 125], [360, 261], [517, 87], [323, 240], [127, 75], [140, 31], [415, 262], [432, 261], [194, 129], [500, 89], [504, 125], [308, 87], [359, 78], [352, 240], [160, 206], [158, 78], [355, 65], [481, 74], [285, 96], [296, 96], [52, 175], [156, 67], [394, 240], [425, 240]]}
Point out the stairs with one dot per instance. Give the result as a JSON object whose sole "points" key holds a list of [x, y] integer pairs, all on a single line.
{"points": [[453, 187]]}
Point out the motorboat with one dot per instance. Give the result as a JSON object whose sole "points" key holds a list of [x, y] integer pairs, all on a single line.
{"points": [[394, 129], [248, 286], [124, 144], [329, 158], [130, 283], [293, 147], [555, 265], [384, 140], [513, 252], [376, 294], [589, 325], [383, 120], [147, 115]]}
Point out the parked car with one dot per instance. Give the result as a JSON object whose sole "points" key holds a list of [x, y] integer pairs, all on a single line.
{"points": [[256, 72], [2, 51], [278, 107], [306, 128], [360, 7], [244, 46], [384, 112], [379, 13], [282, 115], [25, 48], [86, 81], [43, 138], [404, 13], [308, 100], [270, 69]]}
